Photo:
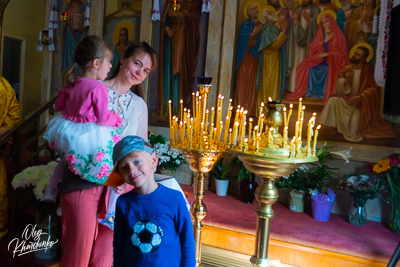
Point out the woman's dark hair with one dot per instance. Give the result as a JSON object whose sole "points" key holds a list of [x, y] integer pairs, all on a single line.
{"points": [[89, 48], [126, 33], [130, 52]]}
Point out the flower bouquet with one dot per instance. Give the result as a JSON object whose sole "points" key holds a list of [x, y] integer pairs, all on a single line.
{"points": [[361, 188], [390, 167], [169, 158]]}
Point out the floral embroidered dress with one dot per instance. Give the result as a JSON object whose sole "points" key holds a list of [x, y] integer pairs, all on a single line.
{"points": [[85, 131]]}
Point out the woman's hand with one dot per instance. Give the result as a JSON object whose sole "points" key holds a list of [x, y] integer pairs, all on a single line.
{"points": [[121, 189], [329, 37], [322, 55]]}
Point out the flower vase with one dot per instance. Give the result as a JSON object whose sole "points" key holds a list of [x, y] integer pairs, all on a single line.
{"points": [[247, 187], [322, 205], [221, 187], [48, 229], [358, 213], [394, 221], [296, 201]]}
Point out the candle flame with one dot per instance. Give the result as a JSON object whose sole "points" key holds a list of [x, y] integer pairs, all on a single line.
{"points": [[212, 109], [259, 134], [230, 130], [303, 108], [169, 101], [256, 128], [271, 129], [207, 111], [173, 117], [227, 117], [237, 123], [219, 108], [184, 109], [241, 109], [245, 123], [245, 112], [262, 104], [286, 128], [291, 105], [251, 119], [269, 99], [191, 119], [230, 100], [314, 114], [231, 108], [192, 93], [318, 127], [238, 106], [181, 101], [176, 119], [301, 119], [299, 138], [199, 97], [238, 110], [197, 93], [212, 125], [284, 109], [262, 115], [246, 139], [219, 96], [300, 99], [222, 97], [297, 122]]}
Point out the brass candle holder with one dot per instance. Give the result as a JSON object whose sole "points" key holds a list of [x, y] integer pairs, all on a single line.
{"points": [[201, 162], [268, 169]]}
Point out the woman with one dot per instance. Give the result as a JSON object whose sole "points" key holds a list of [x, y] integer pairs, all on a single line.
{"points": [[316, 75], [84, 241]]}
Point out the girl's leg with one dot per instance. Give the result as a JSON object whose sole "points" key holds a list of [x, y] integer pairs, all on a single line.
{"points": [[110, 214], [50, 192], [81, 234]]}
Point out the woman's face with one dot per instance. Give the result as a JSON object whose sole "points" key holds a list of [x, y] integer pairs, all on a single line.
{"points": [[325, 24], [136, 68], [122, 36]]}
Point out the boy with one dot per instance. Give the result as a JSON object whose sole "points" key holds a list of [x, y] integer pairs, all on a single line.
{"points": [[152, 223]]}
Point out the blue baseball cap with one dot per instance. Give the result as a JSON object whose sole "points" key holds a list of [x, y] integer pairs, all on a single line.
{"points": [[128, 144]]}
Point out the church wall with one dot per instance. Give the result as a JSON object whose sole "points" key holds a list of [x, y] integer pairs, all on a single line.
{"points": [[16, 16]]}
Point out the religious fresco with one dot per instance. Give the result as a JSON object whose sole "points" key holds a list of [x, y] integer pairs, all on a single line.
{"points": [[320, 51], [122, 28], [71, 30]]}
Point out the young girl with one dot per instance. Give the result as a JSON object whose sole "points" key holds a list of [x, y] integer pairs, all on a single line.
{"points": [[84, 133]]}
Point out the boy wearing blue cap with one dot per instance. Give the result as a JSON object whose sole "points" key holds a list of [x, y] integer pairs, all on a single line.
{"points": [[152, 223]]}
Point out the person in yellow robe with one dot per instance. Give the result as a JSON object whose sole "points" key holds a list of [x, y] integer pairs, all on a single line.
{"points": [[9, 116], [359, 25], [271, 68]]}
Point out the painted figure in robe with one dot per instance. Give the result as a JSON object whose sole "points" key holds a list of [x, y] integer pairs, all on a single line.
{"points": [[327, 55], [72, 31], [301, 33], [272, 65], [120, 48], [359, 25], [9, 116], [276, 4], [344, 12], [325, 5], [179, 51], [355, 110], [247, 61]]}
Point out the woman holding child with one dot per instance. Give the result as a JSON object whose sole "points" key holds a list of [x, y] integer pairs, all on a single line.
{"points": [[85, 242]]}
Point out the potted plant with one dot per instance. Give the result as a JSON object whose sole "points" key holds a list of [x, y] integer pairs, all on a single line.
{"points": [[169, 158], [361, 188], [219, 174], [320, 177], [296, 185]]}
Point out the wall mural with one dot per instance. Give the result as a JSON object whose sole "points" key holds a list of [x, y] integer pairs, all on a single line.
{"points": [[321, 51]]}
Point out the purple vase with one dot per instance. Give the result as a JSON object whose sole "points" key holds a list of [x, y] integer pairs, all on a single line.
{"points": [[322, 205]]}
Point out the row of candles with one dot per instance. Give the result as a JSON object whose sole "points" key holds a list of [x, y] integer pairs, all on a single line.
{"points": [[197, 129]]}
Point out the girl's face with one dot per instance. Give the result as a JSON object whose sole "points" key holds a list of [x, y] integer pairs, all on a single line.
{"points": [[104, 68], [136, 68]]}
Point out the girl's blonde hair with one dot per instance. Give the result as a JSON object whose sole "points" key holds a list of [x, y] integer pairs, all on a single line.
{"points": [[89, 48]]}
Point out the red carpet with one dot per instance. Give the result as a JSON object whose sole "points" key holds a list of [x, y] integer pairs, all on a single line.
{"points": [[371, 241]]}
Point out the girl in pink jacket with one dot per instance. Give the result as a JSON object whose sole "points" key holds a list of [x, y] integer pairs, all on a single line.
{"points": [[84, 132]]}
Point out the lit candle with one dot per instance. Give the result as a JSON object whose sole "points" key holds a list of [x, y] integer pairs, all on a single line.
{"points": [[184, 115], [206, 123], [314, 115], [309, 134], [292, 148], [227, 120], [315, 138], [290, 113], [259, 115], [210, 138], [237, 115], [230, 135], [193, 103], [250, 127], [299, 109], [235, 132], [285, 132], [244, 124], [269, 99], [215, 135], [271, 137], [221, 126], [230, 112], [246, 146], [302, 111], [262, 124], [254, 134], [212, 115], [298, 148], [284, 117], [229, 106], [301, 128], [170, 113], [258, 142], [296, 129], [181, 109], [242, 134]]}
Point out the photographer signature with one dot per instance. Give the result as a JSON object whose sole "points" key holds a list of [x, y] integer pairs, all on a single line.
{"points": [[25, 246]]}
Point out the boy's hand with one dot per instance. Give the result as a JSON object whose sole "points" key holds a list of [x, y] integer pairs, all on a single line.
{"points": [[121, 189]]}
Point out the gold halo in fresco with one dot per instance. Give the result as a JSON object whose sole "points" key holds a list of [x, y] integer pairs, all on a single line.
{"points": [[371, 50], [261, 18], [124, 24], [247, 5], [330, 12]]}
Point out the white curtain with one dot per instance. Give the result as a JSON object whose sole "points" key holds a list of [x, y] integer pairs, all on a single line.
{"points": [[155, 13]]}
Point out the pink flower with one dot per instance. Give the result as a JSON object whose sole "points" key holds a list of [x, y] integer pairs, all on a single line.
{"points": [[73, 169], [116, 138], [99, 156], [71, 158], [51, 144], [104, 168], [394, 159]]}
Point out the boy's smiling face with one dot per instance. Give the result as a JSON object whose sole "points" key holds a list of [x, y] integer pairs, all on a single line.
{"points": [[137, 169]]}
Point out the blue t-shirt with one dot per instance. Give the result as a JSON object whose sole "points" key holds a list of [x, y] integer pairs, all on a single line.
{"points": [[153, 230]]}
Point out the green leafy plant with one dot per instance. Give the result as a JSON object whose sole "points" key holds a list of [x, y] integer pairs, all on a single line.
{"points": [[298, 180], [219, 173]]}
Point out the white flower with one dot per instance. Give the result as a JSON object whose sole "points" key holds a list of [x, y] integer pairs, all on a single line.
{"points": [[352, 179], [303, 167], [174, 155], [178, 161], [364, 178], [345, 154]]}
